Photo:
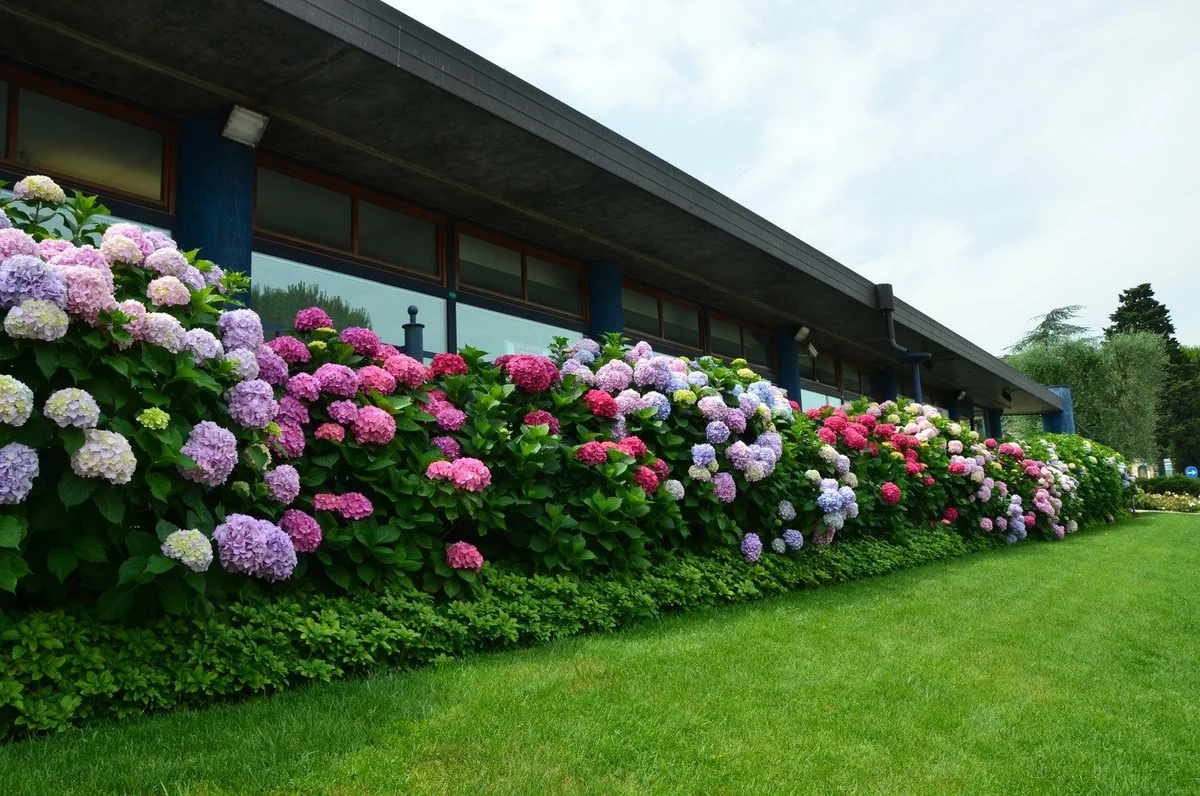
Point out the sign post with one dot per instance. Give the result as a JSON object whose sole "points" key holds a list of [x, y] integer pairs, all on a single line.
{"points": [[1191, 472]]}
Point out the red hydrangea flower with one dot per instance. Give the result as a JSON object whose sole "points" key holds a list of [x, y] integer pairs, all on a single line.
{"points": [[592, 453], [542, 418], [836, 423], [531, 373], [660, 468], [448, 365], [890, 493], [855, 442], [633, 446], [913, 467], [601, 403], [929, 481], [646, 479], [867, 421], [950, 514], [827, 435], [813, 414]]}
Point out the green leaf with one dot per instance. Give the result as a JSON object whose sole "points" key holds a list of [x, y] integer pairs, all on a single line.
{"points": [[172, 595], [158, 564], [453, 587], [131, 568], [12, 569], [89, 549], [72, 439], [12, 530], [339, 575], [141, 543], [73, 490], [62, 562], [164, 529], [366, 573], [47, 359], [160, 485], [196, 581], [110, 503], [115, 603]]}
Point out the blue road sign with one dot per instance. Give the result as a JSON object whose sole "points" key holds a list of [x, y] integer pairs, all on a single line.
{"points": [[1192, 472]]}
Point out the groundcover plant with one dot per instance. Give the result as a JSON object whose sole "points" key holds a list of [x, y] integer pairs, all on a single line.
{"points": [[159, 456]]}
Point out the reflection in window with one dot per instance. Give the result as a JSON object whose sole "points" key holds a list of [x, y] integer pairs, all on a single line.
{"points": [[57, 136], [283, 287], [393, 237], [485, 265], [498, 333], [681, 325], [827, 370], [3, 118], [725, 339], [640, 312], [301, 210], [552, 285]]}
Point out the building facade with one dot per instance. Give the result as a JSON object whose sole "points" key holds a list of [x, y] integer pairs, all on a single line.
{"points": [[398, 168]]}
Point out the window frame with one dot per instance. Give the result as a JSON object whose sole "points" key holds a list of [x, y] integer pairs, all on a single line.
{"points": [[743, 326], [19, 79], [662, 296], [526, 251], [355, 192]]}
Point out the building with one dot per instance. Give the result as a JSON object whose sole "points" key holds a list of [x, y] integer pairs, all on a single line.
{"points": [[398, 168]]}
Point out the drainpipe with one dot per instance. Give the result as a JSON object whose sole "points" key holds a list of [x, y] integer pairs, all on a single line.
{"points": [[885, 302]]}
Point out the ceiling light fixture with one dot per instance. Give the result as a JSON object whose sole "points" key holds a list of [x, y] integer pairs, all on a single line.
{"points": [[245, 126]]}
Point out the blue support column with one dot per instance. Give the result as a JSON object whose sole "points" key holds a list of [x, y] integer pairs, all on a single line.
{"points": [[788, 359], [991, 423], [604, 299], [887, 383], [214, 197], [952, 406], [1060, 422]]}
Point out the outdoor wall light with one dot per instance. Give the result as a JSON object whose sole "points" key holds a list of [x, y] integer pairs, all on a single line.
{"points": [[245, 126], [802, 335], [962, 394]]}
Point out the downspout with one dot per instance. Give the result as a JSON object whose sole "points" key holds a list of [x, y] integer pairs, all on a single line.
{"points": [[885, 302]]}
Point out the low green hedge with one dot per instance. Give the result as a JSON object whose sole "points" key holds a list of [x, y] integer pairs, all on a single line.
{"points": [[1175, 484], [61, 670]]}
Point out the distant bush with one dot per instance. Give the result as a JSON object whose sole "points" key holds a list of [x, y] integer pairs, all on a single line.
{"points": [[1178, 484]]}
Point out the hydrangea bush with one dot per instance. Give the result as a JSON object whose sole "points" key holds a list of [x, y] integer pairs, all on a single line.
{"points": [[156, 449]]}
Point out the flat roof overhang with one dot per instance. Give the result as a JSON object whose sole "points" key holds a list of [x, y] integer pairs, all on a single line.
{"points": [[360, 89]]}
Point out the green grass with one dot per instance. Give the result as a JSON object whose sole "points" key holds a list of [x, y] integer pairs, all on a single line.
{"points": [[1044, 668]]}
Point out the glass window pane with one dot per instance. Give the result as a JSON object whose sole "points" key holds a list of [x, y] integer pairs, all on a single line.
{"points": [[56, 136], [725, 339], [553, 285], [760, 349], [397, 238], [827, 370], [282, 287], [498, 333], [812, 400], [490, 267], [850, 382], [807, 366], [640, 312], [866, 380], [302, 210], [681, 325]]}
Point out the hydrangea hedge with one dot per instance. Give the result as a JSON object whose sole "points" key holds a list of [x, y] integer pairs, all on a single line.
{"points": [[158, 455]]}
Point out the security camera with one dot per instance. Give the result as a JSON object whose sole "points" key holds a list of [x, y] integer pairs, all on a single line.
{"points": [[812, 350], [802, 335]]}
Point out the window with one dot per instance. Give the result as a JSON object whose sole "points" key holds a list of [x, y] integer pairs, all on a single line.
{"points": [[311, 209], [498, 333], [858, 379], [283, 287], [510, 270], [650, 314], [827, 370], [50, 129], [733, 339], [812, 399]]}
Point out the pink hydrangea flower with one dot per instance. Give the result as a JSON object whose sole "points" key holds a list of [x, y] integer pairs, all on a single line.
{"points": [[291, 350], [373, 377], [448, 446], [325, 501], [462, 555], [448, 365], [591, 453], [470, 474], [168, 291], [337, 380], [330, 431], [312, 318], [373, 425], [304, 386], [302, 529], [355, 506], [447, 416], [407, 371], [440, 470], [361, 339], [542, 418], [89, 291]]}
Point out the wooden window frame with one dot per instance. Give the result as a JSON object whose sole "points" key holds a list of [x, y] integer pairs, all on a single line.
{"points": [[525, 251], [18, 79], [743, 326], [356, 193], [662, 296]]}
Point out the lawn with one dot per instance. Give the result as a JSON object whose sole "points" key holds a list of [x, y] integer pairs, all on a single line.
{"points": [[1044, 668]]}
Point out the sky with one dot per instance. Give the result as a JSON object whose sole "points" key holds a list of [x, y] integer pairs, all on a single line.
{"points": [[991, 160]]}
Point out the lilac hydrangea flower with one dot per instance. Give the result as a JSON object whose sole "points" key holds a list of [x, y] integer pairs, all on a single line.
{"points": [[724, 486], [674, 488], [167, 261], [204, 345], [18, 468], [245, 363], [14, 242], [283, 483], [252, 403], [786, 511], [703, 455], [752, 547], [292, 410], [344, 412], [660, 403], [716, 432], [241, 329], [72, 407], [24, 277], [164, 330], [614, 376], [213, 449], [258, 548], [793, 538], [36, 319], [337, 380], [271, 367], [304, 386]]}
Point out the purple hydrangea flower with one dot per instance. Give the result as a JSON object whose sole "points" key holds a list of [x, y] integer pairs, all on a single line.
{"points": [[18, 468], [283, 483], [712, 407], [448, 446], [736, 422], [302, 529], [245, 363], [304, 386], [752, 547], [252, 403], [24, 277], [703, 455], [716, 432], [204, 345], [660, 403], [240, 329], [614, 376], [271, 367], [793, 538], [258, 548], [344, 412], [292, 410], [337, 380], [724, 486], [213, 449]]}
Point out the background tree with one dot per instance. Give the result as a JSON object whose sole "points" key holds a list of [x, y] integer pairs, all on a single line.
{"points": [[1115, 381], [278, 306], [1179, 399]]}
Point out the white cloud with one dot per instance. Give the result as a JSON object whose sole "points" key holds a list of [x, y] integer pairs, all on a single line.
{"points": [[1027, 154]]}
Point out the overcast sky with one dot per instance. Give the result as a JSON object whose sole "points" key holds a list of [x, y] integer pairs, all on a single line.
{"points": [[992, 160]]}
